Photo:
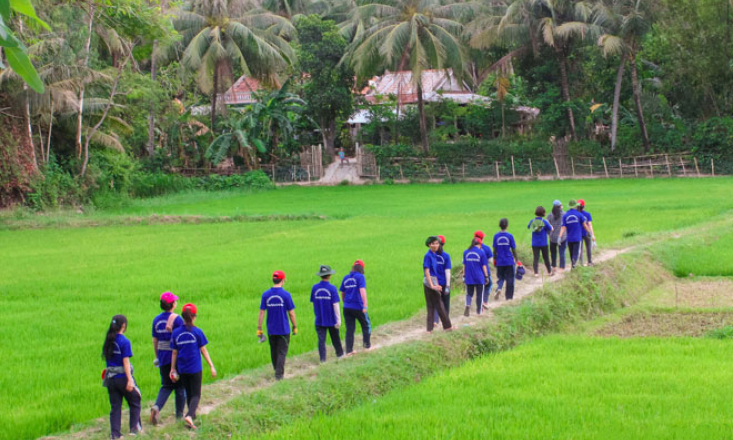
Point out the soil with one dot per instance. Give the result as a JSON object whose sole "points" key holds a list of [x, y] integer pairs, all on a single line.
{"points": [[640, 325], [697, 294]]}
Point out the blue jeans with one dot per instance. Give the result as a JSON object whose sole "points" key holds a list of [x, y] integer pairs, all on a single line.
{"points": [[166, 388], [554, 248]]}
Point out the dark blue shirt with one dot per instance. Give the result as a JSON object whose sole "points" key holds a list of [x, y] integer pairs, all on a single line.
{"points": [[503, 244], [444, 263], [164, 356], [278, 302], [588, 218], [473, 261], [573, 222], [122, 349], [430, 262], [487, 251], [350, 288], [188, 342], [323, 297], [539, 239]]}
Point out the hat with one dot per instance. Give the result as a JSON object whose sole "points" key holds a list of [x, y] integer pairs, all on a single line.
{"points": [[325, 270], [572, 204], [520, 272], [168, 297], [479, 234], [278, 275], [430, 240], [360, 263], [581, 202], [557, 203], [191, 308], [442, 239]]}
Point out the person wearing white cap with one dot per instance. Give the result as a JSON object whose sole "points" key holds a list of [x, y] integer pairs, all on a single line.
{"points": [[325, 299], [162, 348]]}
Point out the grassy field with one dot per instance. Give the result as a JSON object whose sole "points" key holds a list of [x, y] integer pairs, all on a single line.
{"points": [[559, 387], [60, 286]]}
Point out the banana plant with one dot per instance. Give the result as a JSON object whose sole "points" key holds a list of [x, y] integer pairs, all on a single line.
{"points": [[15, 51]]}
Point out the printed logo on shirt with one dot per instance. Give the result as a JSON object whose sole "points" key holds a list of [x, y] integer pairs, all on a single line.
{"points": [[116, 349], [275, 301], [503, 241], [323, 294], [440, 259], [473, 257], [185, 338], [160, 326], [571, 219], [350, 283]]}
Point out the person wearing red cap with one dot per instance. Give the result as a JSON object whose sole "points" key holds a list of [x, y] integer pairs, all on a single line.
{"points": [[486, 289], [444, 270], [589, 237], [353, 289], [188, 343], [278, 303], [162, 349]]}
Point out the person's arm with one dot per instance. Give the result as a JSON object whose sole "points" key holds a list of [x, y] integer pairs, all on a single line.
{"points": [[170, 322], [362, 292], [205, 353], [589, 228], [337, 311], [447, 280], [563, 229], [174, 358], [514, 252], [291, 313], [486, 271], [494, 255], [128, 373], [259, 322], [429, 279], [155, 347]]}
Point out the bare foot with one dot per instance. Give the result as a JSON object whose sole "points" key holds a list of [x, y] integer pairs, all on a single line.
{"points": [[189, 422]]}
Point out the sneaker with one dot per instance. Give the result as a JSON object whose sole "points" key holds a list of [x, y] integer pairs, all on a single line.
{"points": [[154, 416], [467, 311]]}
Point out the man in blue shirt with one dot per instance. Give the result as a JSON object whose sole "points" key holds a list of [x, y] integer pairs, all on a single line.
{"points": [[589, 236], [325, 299], [573, 223], [505, 254], [432, 288], [278, 304]]}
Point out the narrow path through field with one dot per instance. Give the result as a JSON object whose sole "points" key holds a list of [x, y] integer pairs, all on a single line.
{"points": [[338, 172], [221, 392]]}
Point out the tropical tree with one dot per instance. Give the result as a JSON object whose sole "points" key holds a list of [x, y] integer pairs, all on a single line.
{"points": [[15, 51], [218, 35], [625, 23], [278, 113], [240, 136]]}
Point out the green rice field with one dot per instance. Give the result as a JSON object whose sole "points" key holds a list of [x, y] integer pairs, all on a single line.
{"points": [[61, 285]]}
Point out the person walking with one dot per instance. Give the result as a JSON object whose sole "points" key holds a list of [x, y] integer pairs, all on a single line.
{"points": [[486, 289], [558, 242], [163, 353], [431, 286], [505, 254], [188, 343], [278, 303], [476, 272], [573, 222], [589, 237], [444, 273], [325, 299], [540, 230], [353, 289], [118, 379]]}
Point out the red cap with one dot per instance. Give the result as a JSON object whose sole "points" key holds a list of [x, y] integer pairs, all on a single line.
{"points": [[191, 308], [278, 275], [359, 262], [479, 234], [581, 202], [442, 239]]}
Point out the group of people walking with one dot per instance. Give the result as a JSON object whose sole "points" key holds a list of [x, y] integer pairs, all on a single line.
{"points": [[552, 236], [179, 345]]}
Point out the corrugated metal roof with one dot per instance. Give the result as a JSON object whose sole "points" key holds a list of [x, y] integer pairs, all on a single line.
{"points": [[400, 84], [241, 92]]}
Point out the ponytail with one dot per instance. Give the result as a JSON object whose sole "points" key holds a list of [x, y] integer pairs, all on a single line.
{"points": [[475, 242], [118, 321], [188, 316]]}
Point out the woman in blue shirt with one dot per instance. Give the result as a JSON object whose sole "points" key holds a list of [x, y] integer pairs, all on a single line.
{"points": [[540, 228], [444, 267], [431, 286], [118, 379], [353, 290], [505, 254], [189, 344], [476, 274]]}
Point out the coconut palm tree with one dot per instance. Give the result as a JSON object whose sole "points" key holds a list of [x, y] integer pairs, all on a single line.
{"points": [[625, 23], [217, 35], [409, 34], [557, 24]]}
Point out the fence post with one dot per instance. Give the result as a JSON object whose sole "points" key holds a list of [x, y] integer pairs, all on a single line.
{"points": [[621, 168], [514, 176], [463, 170], [651, 167], [401, 175], [293, 174], [590, 164], [496, 163], [636, 170], [605, 168], [572, 164], [379, 173], [712, 166], [557, 168], [530, 168], [697, 168], [308, 171], [684, 170], [669, 169], [448, 172]]}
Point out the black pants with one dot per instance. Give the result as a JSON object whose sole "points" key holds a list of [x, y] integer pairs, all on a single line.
{"points": [[117, 391], [587, 243], [435, 304], [574, 248], [506, 273], [192, 384], [335, 340], [536, 250], [558, 249], [167, 386], [278, 352], [351, 316], [445, 298]]}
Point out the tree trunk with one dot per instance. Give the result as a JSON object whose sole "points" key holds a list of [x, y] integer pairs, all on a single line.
{"points": [[50, 129], [636, 86], [562, 59], [87, 48], [151, 114], [503, 120], [213, 98], [616, 101], [423, 123], [27, 114]]}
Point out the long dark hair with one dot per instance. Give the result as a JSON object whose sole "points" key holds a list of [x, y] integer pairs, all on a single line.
{"points": [[475, 242], [440, 249], [188, 316], [556, 210], [109, 341], [358, 268]]}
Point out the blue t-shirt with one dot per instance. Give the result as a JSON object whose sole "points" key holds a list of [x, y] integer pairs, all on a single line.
{"points": [[188, 342], [164, 356], [323, 297], [444, 263], [350, 288], [473, 261], [278, 302], [573, 222], [431, 263], [588, 218], [503, 244], [540, 238], [487, 251], [122, 349]]}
